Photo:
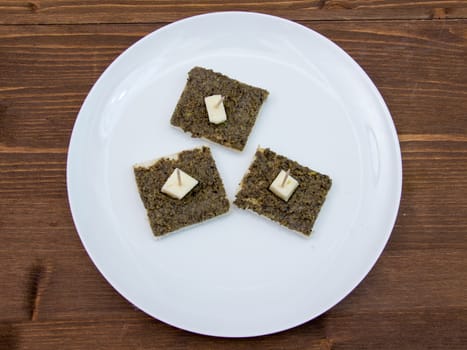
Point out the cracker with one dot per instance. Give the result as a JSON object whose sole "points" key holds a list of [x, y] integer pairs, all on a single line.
{"points": [[299, 213], [242, 104], [205, 201]]}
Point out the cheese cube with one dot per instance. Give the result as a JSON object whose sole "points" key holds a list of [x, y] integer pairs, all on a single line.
{"points": [[215, 108], [282, 189], [179, 189]]}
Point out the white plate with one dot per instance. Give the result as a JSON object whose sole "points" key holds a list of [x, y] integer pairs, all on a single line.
{"points": [[238, 275]]}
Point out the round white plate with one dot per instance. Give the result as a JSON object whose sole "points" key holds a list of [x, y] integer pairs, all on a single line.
{"points": [[240, 274]]}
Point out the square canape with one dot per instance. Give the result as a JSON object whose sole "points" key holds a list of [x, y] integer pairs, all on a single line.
{"points": [[205, 199], [241, 102], [298, 211]]}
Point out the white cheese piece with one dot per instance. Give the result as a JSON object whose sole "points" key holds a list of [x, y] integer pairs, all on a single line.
{"points": [[179, 189], [215, 108], [282, 189]]}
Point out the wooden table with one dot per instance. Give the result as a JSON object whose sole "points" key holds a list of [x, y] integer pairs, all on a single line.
{"points": [[52, 296]]}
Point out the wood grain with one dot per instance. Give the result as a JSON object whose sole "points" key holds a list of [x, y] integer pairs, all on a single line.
{"points": [[322, 334], [52, 296], [145, 11], [419, 68]]}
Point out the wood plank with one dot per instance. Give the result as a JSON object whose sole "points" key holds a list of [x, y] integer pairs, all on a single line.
{"points": [[47, 71], [434, 177], [46, 74], [73, 289], [145, 11], [42, 283], [433, 195], [426, 251], [416, 329], [419, 69], [32, 175]]}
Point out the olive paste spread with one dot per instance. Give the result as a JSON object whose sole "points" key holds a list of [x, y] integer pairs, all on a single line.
{"points": [[207, 199], [242, 103], [300, 211]]}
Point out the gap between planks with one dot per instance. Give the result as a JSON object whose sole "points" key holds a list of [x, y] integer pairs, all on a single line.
{"points": [[402, 138], [433, 137], [301, 21]]}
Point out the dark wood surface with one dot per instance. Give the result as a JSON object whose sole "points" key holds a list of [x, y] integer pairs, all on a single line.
{"points": [[52, 296]]}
